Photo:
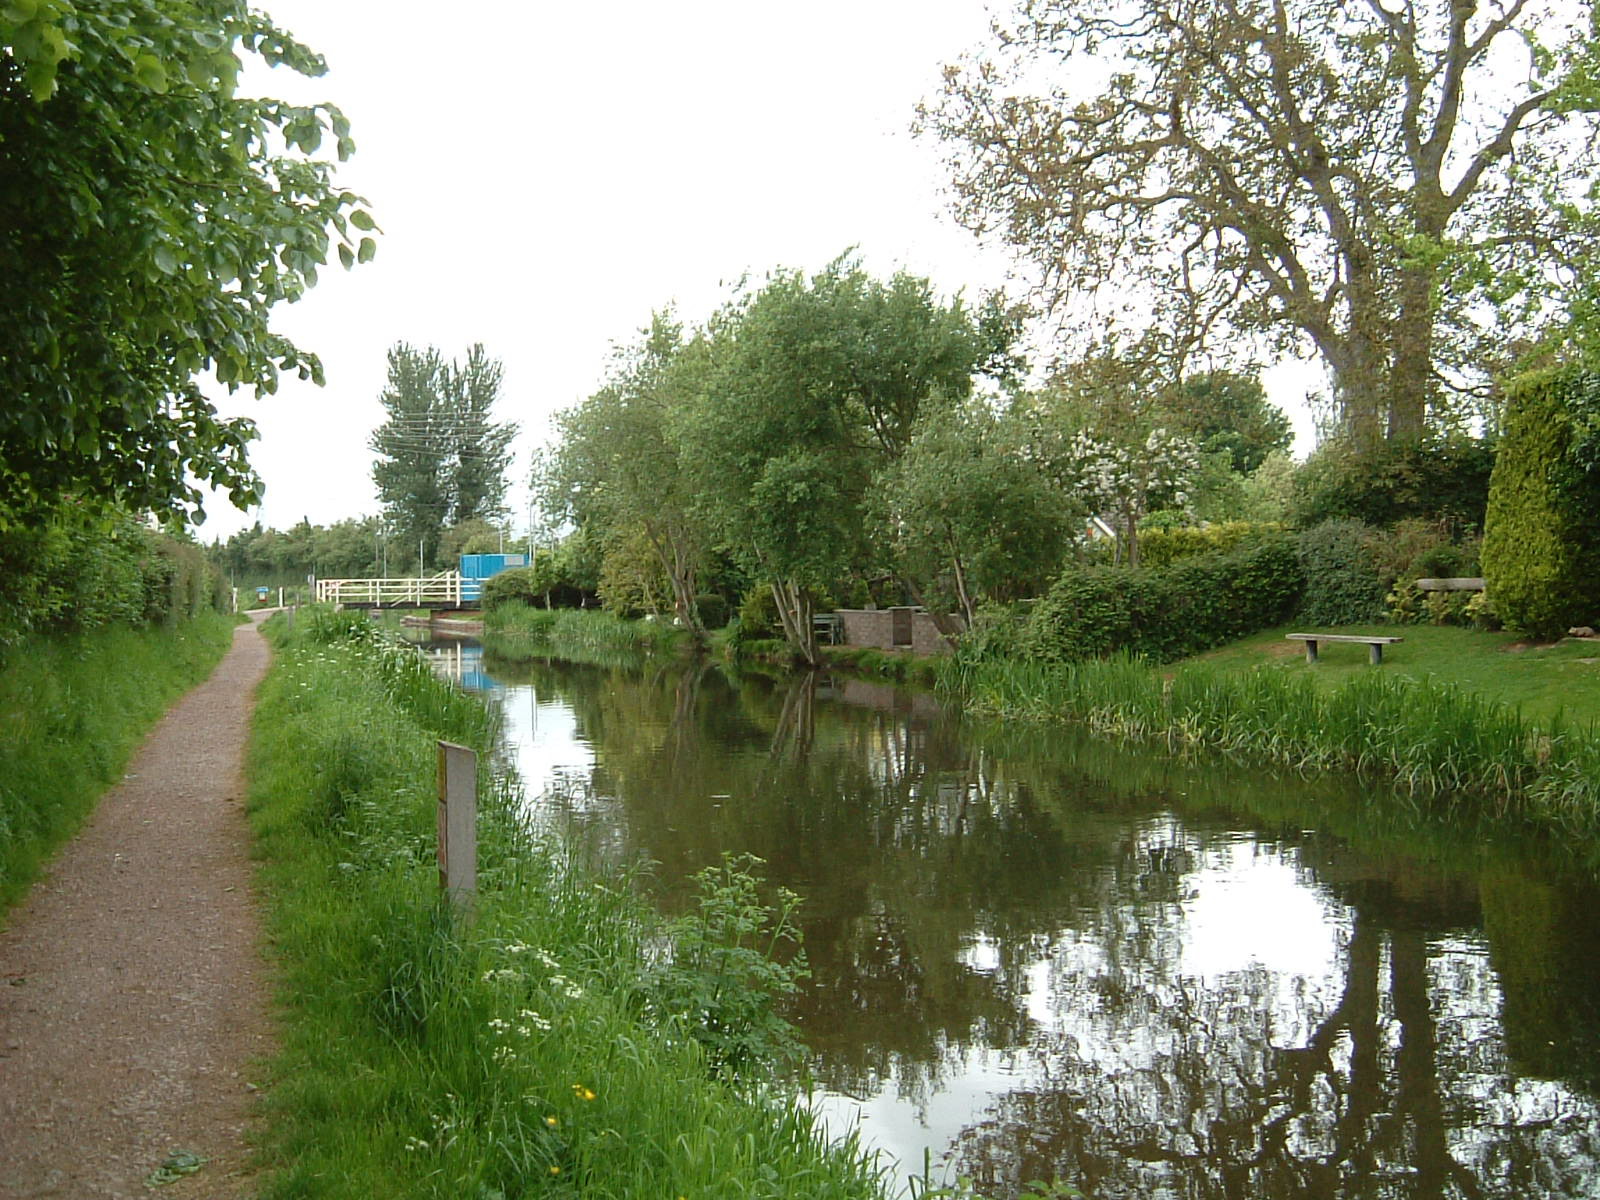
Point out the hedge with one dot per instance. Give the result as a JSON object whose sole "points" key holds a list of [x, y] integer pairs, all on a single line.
{"points": [[1165, 613]]}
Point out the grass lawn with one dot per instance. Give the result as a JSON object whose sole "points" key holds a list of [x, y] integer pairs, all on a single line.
{"points": [[1543, 680]]}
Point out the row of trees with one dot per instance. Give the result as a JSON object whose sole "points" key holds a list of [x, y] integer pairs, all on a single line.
{"points": [[823, 429]]}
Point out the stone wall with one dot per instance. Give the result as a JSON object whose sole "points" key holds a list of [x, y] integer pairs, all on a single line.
{"points": [[874, 627]]}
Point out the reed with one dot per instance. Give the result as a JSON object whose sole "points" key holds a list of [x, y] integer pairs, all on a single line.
{"points": [[575, 633], [72, 710], [516, 1054], [1432, 739]]}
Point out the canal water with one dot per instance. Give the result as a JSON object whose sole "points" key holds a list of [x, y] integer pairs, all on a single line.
{"points": [[1036, 956]]}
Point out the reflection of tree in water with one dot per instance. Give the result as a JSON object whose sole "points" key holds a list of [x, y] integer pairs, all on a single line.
{"points": [[972, 902], [1399, 1085]]}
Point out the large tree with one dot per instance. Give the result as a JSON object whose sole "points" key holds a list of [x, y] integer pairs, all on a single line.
{"points": [[619, 472], [441, 459], [816, 384], [1384, 180], [150, 218]]}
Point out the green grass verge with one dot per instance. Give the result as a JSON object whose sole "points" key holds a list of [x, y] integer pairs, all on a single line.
{"points": [[520, 1054], [72, 711], [1550, 681]]}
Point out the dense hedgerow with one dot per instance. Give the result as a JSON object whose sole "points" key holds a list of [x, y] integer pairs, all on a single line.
{"points": [[1167, 612], [1343, 584], [1161, 547], [78, 568], [1541, 543], [1440, 479]]}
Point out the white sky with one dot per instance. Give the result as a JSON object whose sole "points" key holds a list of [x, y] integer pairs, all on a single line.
{"points": [[546, 175]]}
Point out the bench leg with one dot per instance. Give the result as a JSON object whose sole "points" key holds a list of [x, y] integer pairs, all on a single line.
{"points": [[1376, 649], [1311, 652]]}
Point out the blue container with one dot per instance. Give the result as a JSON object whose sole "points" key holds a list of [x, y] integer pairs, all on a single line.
{"points": [[475, 568]]}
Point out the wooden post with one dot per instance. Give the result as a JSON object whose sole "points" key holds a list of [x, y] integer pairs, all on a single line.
{"points": [[458, 822]]}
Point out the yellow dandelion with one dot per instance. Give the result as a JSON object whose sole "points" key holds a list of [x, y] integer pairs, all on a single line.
{"points": [[581, 1092], [555, 1170], [552, 1122]]}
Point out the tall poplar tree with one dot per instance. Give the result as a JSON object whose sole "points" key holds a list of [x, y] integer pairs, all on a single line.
{"points": [[441, 458]]}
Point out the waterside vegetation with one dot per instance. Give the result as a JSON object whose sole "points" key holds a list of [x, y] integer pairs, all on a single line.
{"points": [[547, 1046], [73, 707]]}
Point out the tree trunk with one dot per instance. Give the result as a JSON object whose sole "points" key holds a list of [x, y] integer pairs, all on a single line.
{"points": [[941, 621], [1411, 358], [794, 610]]}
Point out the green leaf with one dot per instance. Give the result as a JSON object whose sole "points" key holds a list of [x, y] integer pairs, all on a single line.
{"points": [[362, 219], [147, 69], [166, 260], [368, 249], [346, 256]]}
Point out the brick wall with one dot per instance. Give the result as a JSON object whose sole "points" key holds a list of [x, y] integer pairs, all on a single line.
{"points": [[874, 627]]}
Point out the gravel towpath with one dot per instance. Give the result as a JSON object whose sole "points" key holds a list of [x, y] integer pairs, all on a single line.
{"points": [[133, 992]]}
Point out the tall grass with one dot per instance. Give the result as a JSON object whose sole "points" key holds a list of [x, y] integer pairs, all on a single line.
{"points": [[579, 635], [1432, 739], [515, 1054], [72, 710]]}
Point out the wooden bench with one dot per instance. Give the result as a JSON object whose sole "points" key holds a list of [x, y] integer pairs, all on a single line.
{"points": [[1374, 644]]}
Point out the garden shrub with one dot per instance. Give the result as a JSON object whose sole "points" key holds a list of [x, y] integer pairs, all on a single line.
{"points": [[1343, 585], [1541, 544], [713, 610], [1440, 479], [1161, 546], [1164, 613]]}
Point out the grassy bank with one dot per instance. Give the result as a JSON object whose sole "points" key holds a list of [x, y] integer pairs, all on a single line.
{"points": [[578, 634], [1432, 737], [72, 711], [548, 1048], [1546, 681]]}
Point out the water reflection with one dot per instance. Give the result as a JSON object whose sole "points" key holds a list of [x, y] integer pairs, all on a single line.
{"points": [[1039, 957]]}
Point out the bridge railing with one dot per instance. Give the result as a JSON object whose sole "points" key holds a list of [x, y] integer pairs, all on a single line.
{"points": [[444, 588]]}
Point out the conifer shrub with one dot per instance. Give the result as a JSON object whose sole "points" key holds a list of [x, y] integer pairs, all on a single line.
{"points": [[1165, 613], [1343, 581], [1541, 543]]}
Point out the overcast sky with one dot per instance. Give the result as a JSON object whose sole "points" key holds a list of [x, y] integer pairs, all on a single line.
{"points": [[547, 175]]}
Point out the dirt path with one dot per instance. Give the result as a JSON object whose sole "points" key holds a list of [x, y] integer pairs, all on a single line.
{"points": [[132, 990]]}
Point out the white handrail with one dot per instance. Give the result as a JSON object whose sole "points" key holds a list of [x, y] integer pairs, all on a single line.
{"points": [[444, 588]]}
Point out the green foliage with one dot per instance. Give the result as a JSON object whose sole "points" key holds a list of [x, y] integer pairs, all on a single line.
{"points": [[352, 548], [1168, 612], [732, 959], [1228, 412], [150, 219], [73, 708], [1541, 544], [1161, 547], [1343, 584], [1442, 480], [441, 461], [83, 568], [555, 580], [516, 1054], [969, 519], [713, 609], [1432, 738]]}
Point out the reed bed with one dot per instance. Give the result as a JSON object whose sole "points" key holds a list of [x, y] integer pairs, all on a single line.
{"points": [[580, 634], [1432, 739], [72, 711], [518, 1053]]}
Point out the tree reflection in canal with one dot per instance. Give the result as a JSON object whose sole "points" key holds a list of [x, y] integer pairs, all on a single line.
{"points": [[1046, 958]]}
